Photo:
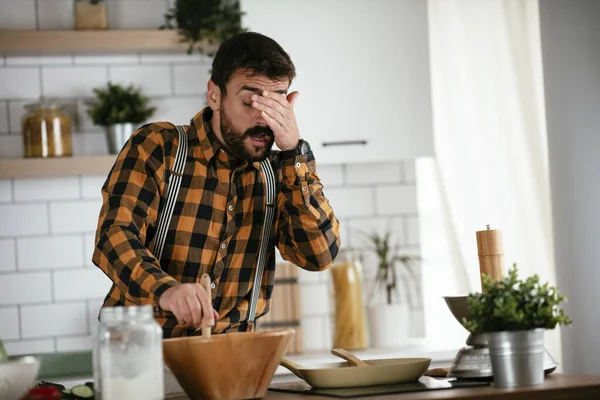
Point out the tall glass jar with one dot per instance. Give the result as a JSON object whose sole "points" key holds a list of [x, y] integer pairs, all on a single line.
{"points": [[128, 357], [46, 130], [349, 326]]}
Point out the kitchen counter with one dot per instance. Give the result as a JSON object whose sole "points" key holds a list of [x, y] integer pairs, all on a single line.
{"points": [[556, 387]]}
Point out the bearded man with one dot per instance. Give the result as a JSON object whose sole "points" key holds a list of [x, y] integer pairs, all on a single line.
{"points": [[184, 201]]}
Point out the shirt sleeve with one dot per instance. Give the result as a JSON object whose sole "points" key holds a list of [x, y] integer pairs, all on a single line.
{"points": [[130, 201], [307, 231]]}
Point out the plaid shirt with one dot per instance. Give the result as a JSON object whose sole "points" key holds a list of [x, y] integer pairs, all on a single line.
{"points": [[216, 223]]}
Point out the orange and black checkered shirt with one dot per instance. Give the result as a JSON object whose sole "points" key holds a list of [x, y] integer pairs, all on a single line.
{"points": [[216, 223]]}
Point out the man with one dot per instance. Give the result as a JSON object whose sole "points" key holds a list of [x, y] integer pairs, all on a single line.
{"points": [[216, 223]]}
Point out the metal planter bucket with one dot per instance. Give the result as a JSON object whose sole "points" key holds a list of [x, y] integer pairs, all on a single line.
{"points": [[517, 357], [117, 135]]}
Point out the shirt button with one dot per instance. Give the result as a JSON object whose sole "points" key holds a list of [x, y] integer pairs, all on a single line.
{"points": [[223, 246], [212, 285], [230, 208]]}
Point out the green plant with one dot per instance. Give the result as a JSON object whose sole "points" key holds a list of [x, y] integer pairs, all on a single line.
{"points": [[204, 22], [387, 275], [119, 104], [512, 304]]}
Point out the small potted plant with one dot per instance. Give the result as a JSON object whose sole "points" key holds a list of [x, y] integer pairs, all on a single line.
{"points": [[90, 15], [204, 24], [388, 313], [513, 314], [119, 109]]}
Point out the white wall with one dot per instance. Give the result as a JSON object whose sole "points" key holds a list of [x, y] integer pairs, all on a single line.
{"points": [[571, 57], [49, 290]]}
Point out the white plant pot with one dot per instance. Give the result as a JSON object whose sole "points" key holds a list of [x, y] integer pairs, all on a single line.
{"points": [[388, 325]]}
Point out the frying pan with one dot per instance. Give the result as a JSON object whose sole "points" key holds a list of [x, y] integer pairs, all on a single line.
{"points": [[345, 375]]}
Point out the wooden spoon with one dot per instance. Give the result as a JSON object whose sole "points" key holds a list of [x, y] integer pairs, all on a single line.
{"points": [[351, 358], [205, 282]]}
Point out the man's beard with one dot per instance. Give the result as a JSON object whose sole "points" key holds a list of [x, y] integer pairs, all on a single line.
{"points": [[236, 142]]}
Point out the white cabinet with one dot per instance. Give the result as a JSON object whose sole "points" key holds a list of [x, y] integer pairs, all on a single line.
{"points": [[362, 73]]}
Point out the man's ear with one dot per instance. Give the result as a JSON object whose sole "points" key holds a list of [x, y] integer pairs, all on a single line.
{"points": [[213, 96]]}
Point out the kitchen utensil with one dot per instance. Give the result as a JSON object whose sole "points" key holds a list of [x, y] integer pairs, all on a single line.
{"points": [[473, 360], [344, 375], [234, 366], [205, 282], [348, 356], [17, 375], [491, 254]]}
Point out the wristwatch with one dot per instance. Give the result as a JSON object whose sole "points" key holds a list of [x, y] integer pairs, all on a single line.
{"points": [[302, 149]]}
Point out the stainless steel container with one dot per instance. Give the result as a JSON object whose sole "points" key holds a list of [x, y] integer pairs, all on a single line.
{"points": [[517, 357], [117, 135]]}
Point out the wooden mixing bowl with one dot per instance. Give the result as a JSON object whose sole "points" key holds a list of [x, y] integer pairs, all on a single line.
{"points": [[234, 366]]}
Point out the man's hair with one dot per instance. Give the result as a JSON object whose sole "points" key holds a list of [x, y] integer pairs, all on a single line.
{"points": [[252, 52]]}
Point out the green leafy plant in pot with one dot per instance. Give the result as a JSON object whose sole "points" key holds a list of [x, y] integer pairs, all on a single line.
{"points": [[389, 311], [204, 24], [119, 109], [513, 314]]}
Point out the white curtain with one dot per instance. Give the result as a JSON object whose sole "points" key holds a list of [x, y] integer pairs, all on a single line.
{"points": [[491, 162]]}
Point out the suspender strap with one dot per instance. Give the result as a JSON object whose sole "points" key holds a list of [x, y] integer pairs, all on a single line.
{"points": [[172, 191], [269, 178]]}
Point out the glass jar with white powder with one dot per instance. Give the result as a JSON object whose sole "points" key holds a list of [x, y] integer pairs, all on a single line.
{"points": [[128, 358]]}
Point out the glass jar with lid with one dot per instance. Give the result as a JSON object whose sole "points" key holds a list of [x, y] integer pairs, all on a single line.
{"points": [[128, 357], [46, 129], [350, 330]]}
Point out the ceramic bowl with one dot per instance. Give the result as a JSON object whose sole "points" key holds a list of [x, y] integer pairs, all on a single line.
{"points": [[17, 375]]}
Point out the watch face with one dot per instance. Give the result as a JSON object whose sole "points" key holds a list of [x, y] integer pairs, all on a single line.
{"points": [[304, 147]]}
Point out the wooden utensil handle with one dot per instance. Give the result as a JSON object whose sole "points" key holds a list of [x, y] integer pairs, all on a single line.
{"points": [[205, 282], [348, 356]]}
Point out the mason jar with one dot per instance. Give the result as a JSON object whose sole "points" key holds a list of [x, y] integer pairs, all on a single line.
{"points": [[46, 130], [128, 357]]}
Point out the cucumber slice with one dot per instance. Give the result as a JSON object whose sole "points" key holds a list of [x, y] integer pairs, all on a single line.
{"points": [[66, 395], [82, 392], [3, 354]]}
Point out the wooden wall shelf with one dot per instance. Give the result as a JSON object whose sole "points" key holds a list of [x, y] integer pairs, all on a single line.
{"points": [[54, 167], [73, 41]]}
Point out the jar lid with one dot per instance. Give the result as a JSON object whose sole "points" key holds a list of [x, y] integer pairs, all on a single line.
{"points": [[108, 314], [44, 102]]}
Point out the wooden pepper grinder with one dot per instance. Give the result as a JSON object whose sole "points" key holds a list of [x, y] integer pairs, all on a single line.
{"points": [[491, 254]]}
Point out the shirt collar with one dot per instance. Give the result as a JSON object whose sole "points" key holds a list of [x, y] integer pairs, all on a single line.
{"points": [[207, 139]]}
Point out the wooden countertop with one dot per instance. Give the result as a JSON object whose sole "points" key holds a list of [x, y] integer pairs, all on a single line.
{"points": [[556, 387]]}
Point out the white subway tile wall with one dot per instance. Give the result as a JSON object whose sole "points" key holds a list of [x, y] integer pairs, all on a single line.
{"points": [[42, 321], [50, 292], [5, 190], [52, 252], [9, 329], [55, 14], [64, 188], [4, 117], [18, 14], [8, 260]]}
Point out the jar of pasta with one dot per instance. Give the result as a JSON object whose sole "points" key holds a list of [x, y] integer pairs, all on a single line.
{"points": [[349, 320], [46, 130]]}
